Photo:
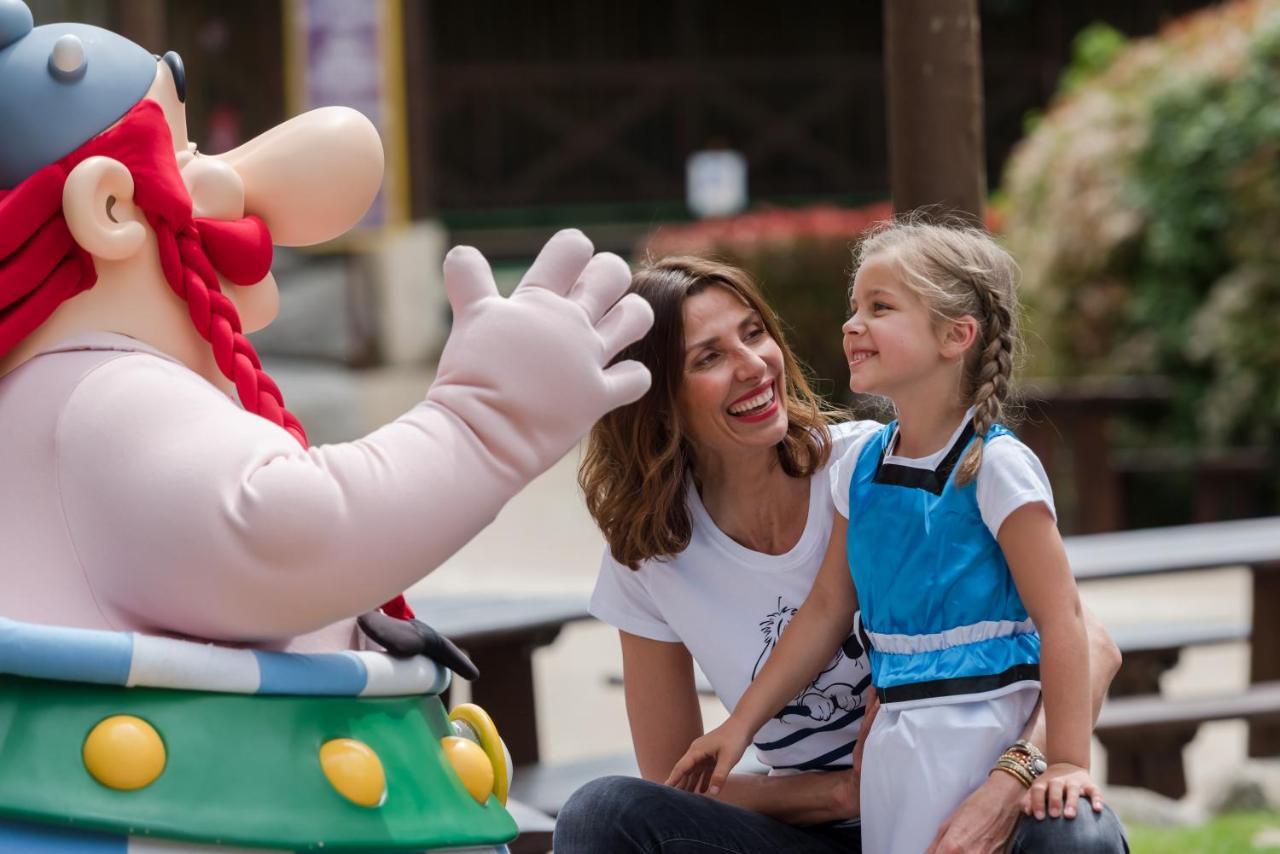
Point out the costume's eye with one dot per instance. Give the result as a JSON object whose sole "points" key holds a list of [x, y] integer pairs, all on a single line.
{"points": [[174, 62]]}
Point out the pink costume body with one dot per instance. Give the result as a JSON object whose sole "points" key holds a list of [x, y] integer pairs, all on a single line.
{"points": [[138, 496]]}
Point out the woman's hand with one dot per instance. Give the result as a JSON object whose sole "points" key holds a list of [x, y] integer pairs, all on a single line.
{"points": [[1058, 788], [983, 823], [869, 716], [706, 764]]}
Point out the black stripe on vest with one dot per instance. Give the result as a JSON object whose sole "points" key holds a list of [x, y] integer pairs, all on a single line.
{"points": [[959, 685], [931, 481]]}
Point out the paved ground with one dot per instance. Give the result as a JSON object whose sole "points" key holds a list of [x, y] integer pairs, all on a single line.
{"points": [[544, 541]]}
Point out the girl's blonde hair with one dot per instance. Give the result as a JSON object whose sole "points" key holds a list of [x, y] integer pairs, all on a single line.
{"points": [[960, 270]]}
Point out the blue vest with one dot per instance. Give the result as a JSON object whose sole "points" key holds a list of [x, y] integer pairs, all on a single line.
{"points": [[939, 606]]}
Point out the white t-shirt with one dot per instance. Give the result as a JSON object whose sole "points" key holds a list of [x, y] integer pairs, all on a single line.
{"points": [[728, 605], [1009, 477]]}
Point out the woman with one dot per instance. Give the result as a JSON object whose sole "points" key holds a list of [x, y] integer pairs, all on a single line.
{"points": [[712, 494]]}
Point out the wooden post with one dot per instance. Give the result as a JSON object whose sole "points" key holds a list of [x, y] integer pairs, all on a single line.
{"points": [[420, 102], [1264, 652], [933, 74]]}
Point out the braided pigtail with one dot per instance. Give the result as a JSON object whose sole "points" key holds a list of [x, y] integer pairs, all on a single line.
{"points": [[191, 275], [991, 377]]}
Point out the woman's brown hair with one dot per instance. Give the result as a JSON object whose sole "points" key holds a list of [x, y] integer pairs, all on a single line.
{"points": [[635, 469]]}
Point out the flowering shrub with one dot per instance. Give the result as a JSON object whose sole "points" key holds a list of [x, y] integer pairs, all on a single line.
{"points": [[801, 259], [1145, 211]]}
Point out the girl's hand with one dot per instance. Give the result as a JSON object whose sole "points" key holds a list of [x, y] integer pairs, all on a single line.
{"points": [[706, 764], [1058, 788]]}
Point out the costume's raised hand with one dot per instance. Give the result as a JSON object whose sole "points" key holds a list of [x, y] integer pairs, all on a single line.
{"points": [[528, 373], [705, 766]]}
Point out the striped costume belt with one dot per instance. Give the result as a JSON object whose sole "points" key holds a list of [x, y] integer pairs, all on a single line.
{"points": [[995, 672], [136, 660]]}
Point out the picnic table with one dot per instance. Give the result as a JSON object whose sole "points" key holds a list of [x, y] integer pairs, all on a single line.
{"points": [[501, 632], [1144, 732]]}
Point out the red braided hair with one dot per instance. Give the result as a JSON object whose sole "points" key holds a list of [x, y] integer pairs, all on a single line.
{"points": [[41, 266]]}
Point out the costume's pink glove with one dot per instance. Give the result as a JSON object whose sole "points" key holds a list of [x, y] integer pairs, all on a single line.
{"points": [[527, 374]]}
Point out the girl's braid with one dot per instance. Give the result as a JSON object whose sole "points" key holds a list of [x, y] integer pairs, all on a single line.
{"points": [[991, 375]]}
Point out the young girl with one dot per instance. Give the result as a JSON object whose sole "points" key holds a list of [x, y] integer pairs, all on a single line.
{"points": [[945, 526]]}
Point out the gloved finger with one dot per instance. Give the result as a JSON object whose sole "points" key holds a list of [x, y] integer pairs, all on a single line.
{"points": [[625, 382], [601, 284], [626, 322], [467, 278], [560, 262]]}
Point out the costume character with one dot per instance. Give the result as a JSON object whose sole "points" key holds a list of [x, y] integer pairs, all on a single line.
{"points": [[159, 496]]}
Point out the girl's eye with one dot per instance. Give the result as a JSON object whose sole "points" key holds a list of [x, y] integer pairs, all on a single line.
{"points": [[880, 306]]}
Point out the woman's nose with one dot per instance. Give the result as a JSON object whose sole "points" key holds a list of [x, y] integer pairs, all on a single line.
{"points": [[749, 364], [217, 192]]}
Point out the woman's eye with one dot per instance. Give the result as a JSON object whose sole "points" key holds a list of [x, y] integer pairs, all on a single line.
{"points": [[703, 361], [755, 333]]}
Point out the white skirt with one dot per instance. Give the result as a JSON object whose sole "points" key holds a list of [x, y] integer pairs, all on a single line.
{"points": [[921, 761]]}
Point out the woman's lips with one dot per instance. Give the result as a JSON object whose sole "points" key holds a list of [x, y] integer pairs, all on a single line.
{"points": [[756, 405]]}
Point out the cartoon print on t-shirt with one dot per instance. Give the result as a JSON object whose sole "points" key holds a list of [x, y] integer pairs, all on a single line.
{"points": [[820, 700]]}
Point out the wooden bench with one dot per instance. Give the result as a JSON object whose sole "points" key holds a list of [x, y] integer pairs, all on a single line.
{"points": [[501, 633], [1146, 733]]}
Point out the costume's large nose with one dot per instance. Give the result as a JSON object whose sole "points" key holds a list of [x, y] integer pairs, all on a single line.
{"points": [[313, 177]]}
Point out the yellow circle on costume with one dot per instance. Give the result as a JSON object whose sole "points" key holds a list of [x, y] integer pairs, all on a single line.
{"points": [[355, 771], [482, 725], [124, 752], [471, 764]]}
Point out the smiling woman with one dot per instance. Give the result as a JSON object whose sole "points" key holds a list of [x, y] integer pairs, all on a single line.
{"points": [[726, 386]]}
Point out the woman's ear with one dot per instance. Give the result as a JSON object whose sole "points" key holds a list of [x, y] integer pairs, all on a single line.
{"points": [[958, 336], [97, 201]]}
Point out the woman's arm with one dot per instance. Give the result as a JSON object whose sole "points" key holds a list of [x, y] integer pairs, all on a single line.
{"points": [[811, 638], [665, 716], [662, 702]]}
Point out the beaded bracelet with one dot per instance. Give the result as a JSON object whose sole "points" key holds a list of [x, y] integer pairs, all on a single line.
{"points": [[1014, 769]]}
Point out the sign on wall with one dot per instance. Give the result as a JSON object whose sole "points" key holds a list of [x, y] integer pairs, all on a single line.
{"points": [[344, 53]]}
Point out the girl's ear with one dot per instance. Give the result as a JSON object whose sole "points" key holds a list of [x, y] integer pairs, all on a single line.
{"points": [[958, 336]]}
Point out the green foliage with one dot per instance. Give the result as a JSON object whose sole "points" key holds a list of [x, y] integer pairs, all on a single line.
{"points": [[1226, 834], [1145, 209], [1092, 52]]}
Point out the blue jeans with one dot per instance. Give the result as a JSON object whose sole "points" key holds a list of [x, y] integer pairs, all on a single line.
{"points": [[624, 815]]}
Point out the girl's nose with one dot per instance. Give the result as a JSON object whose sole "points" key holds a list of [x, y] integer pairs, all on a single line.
{"points": [[852, 326]]}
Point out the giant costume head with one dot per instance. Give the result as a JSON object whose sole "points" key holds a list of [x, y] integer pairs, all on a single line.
{"points": [[158, 495]]}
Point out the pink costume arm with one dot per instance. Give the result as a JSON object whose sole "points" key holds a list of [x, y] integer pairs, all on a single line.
{"points": [[190, 515]]}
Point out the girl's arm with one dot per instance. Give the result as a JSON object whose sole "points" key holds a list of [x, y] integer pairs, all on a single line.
{"points": [[1033, 548], [663, 708], [811, 638]]}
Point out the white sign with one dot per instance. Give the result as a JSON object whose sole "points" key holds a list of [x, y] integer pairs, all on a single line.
{"points": [[716, 182]]}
